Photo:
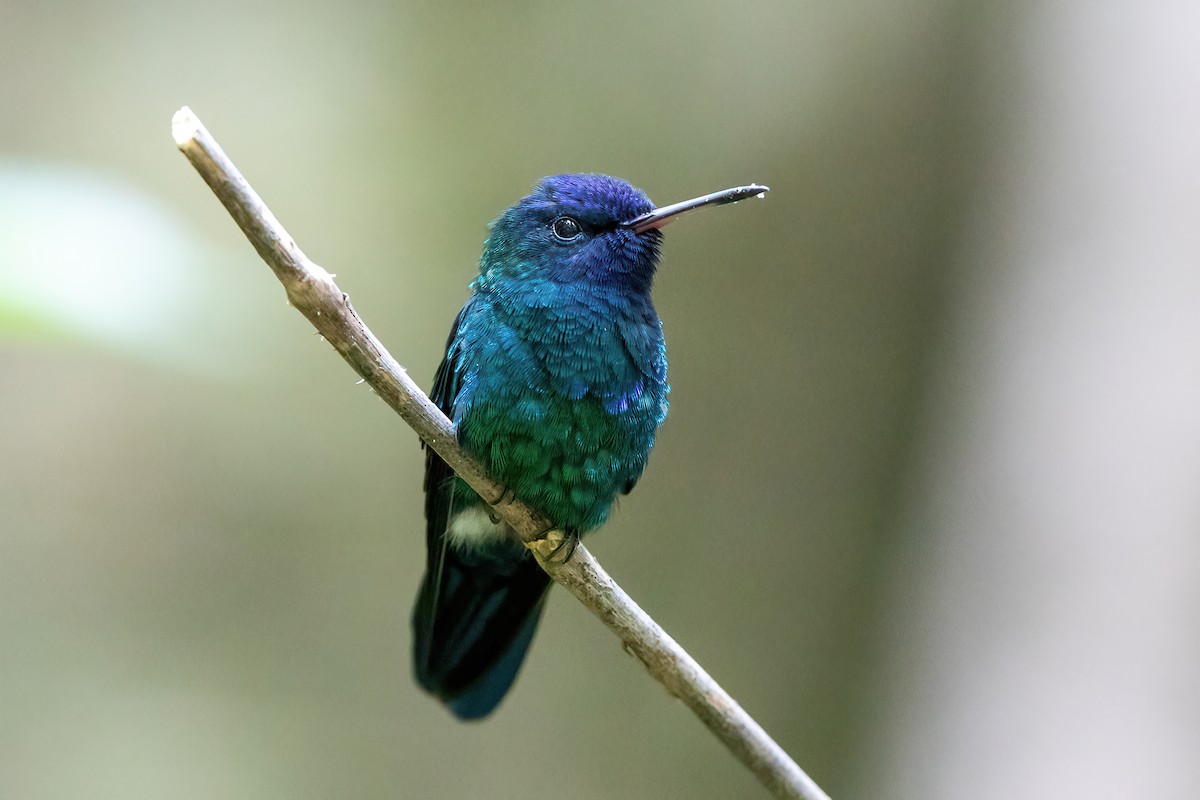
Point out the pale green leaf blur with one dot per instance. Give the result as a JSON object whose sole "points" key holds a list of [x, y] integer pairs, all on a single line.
{"points": [[86, 258], [924, 503]]}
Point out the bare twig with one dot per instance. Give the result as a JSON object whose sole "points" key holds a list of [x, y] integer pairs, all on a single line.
{"points": [[314, 294]]}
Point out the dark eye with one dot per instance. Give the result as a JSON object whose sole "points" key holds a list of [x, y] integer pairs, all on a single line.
{"points": [[565, 228]]}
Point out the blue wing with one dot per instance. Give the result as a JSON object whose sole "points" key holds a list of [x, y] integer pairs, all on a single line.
{"points": [[476, 612]]}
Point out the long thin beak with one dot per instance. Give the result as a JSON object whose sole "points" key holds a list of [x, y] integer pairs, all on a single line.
{"points": [[661, 216]]}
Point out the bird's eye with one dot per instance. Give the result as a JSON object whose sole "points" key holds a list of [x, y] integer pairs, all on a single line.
{"points": [[565, 229]]}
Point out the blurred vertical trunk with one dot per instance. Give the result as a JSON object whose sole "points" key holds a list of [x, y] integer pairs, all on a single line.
{"points": [[1046, 607]]}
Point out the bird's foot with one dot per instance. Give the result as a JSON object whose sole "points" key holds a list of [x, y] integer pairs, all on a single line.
{"points": [[551, 543], [570, 541], [504, 496]]}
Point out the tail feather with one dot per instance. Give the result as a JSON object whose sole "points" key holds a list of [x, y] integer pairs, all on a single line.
{"points": [[473, 622], [481, 697]]}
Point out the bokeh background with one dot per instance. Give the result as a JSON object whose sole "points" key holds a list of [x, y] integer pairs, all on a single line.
{"points": [[926, 502]]}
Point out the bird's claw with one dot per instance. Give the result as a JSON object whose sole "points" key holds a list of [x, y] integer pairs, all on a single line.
{"points": [[504, 496], [550, 543], [570, 542]]}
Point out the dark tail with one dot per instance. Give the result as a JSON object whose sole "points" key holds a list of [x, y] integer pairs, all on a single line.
{"points": [[474, 619]]}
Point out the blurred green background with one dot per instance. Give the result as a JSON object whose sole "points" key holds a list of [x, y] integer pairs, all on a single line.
{"points": [[210, 536]]}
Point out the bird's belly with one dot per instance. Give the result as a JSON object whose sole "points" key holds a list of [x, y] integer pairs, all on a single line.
{"points": [[565, 458]]}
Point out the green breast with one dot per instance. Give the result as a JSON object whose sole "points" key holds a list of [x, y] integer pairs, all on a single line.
{"points": [[566, 458]]}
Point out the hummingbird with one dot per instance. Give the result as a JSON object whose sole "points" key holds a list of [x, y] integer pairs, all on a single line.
{"points": [[555, 376]]}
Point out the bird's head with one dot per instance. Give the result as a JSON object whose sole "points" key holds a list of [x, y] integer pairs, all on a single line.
{"points": [[590, 229], [569, 229]]}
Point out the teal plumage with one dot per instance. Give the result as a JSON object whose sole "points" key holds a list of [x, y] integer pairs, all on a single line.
{"points": [[555, 375]]}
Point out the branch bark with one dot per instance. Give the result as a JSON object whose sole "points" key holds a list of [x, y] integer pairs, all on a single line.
{"points": [[312, 291]]}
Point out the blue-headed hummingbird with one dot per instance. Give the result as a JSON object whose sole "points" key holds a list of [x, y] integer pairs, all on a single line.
{"points": [[555, 376]]}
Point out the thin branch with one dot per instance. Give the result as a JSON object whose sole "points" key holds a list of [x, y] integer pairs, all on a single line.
{"points": [[314, 294]]}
